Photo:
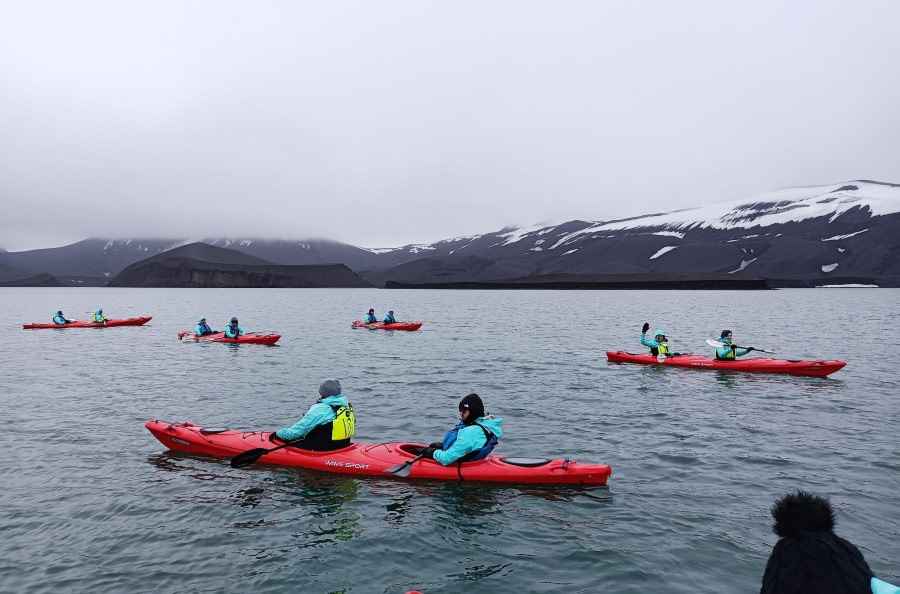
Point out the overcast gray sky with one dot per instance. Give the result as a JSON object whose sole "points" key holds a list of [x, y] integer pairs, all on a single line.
{"points": [[386, 123]]}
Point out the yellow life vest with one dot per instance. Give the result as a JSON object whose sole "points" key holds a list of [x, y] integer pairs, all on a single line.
{"points": [[344, 424]]}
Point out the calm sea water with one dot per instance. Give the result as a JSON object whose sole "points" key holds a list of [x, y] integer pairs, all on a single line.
{"points": [[92, 502]]}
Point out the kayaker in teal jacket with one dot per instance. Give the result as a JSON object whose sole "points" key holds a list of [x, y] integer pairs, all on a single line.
{"points": [[370, 317], [60, 319], [471, 439], [729, 352], [232, 330], [202, 328], [659, 344], [389, 318], [327, 425], [99, 318]]}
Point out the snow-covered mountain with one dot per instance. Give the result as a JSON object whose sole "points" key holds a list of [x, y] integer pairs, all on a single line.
{"points": [[795, 236], [848, 232]]}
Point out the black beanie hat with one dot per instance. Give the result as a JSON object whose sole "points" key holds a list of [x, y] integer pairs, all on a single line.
{"points": [[809, 556], [474, 405], [725, 333]]}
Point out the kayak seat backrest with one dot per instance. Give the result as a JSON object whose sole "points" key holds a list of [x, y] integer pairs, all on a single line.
{"points": [[528, 462]]}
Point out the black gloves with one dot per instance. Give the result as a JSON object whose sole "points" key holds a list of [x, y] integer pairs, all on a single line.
{"points": [[429, 452], [274, 436], [438, 445], [645, 327], [750, 349]]}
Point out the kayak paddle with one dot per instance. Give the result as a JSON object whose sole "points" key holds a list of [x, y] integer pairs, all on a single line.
{"points": [[402, 470], [716, 343], [660, 358], [250, 456]]}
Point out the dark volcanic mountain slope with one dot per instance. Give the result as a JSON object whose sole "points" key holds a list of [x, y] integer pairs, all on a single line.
{"points": [[223, 268]]}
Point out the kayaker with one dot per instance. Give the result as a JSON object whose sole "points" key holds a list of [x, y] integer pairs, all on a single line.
{"points": [[389, 318], [728, 351], [659, 345], [202, 328], [471, 439], [810, 557], [99, 318], [60, 319], [370, 317], [327, 425], [232, 330]]}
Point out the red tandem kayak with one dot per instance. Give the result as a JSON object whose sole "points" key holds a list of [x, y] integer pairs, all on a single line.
{"points": [[757, 365], [373, 459], [108, 324], [250, 338], [382, 326]]}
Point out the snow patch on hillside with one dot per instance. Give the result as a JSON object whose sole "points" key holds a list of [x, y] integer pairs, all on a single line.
{"points": [[519, 233], [838, 237], [829, 267], [664, 250], [744, 264]]}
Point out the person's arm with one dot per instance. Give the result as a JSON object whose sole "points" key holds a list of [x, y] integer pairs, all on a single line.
{"points": [[741, 352], [648, 343], [469, 439], [316, 415]]}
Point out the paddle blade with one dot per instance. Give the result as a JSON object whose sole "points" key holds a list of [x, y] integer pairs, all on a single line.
{"points": [[715, 343], [404, 468], [401, 470], [660, 358], [249, 457]]}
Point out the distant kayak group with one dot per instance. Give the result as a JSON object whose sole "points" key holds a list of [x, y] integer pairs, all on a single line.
{"points": [[725, 357], [232, 333]]}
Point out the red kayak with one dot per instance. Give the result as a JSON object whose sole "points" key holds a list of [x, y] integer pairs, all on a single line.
{"points": [[250, 338], [107, 324], [373, 459], [382, 326], [757, 365]]}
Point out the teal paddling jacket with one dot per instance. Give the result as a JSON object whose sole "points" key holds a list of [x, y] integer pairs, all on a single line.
{"points": [[727, 352], [319, 413], [202, 328], [232, 332], [469, 439]]}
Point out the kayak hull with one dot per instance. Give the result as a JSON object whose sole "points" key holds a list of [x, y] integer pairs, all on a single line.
{"points": [[756, 365], [408, 326], [373, 459], [251, 338], [108, 324]]}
